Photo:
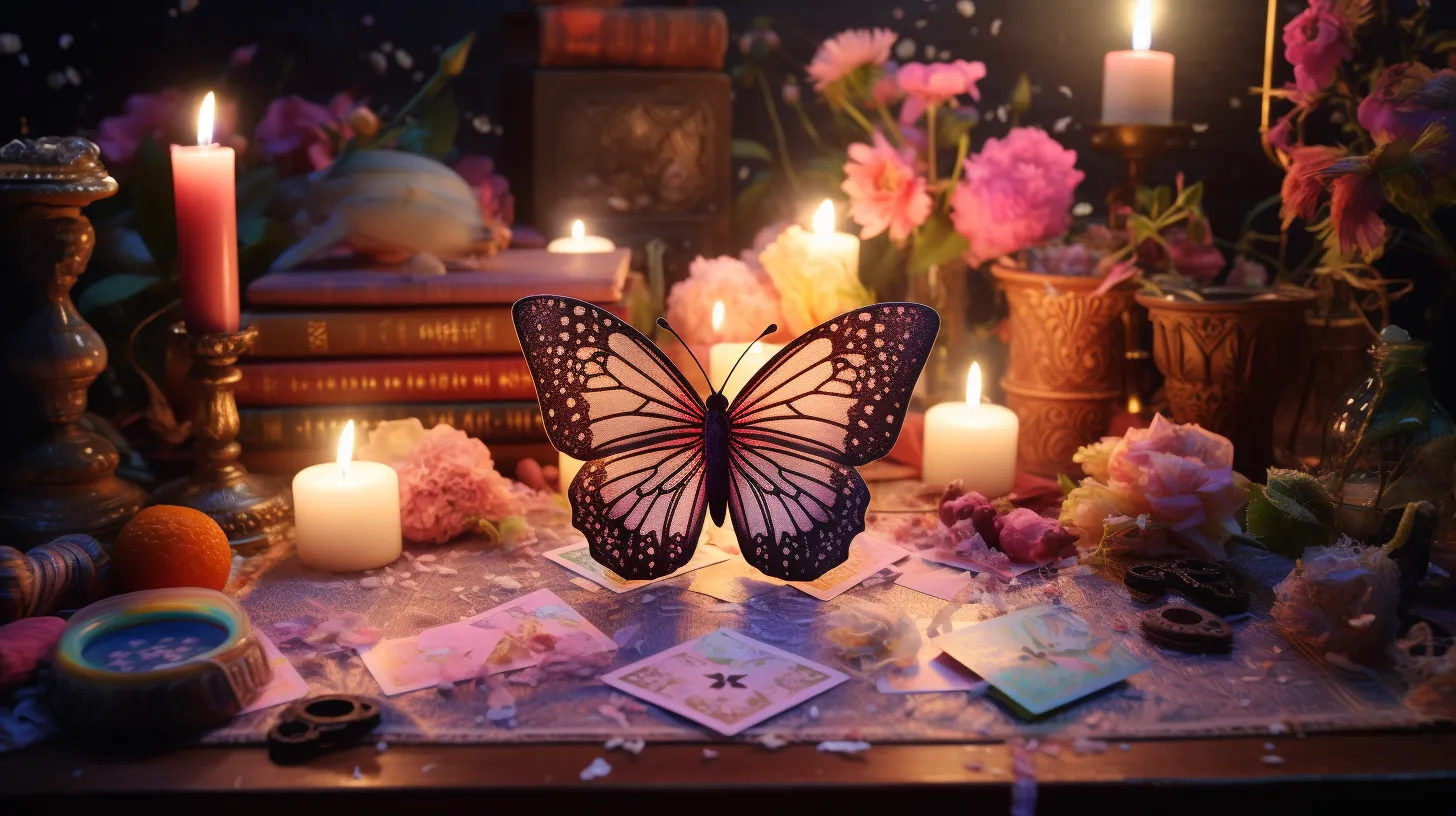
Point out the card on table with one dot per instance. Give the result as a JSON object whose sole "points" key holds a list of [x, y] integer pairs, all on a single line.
{"points": [[934, 670], [287, 684], [867, 556], [935, 580], [1043, 657], [1003, 571], [444, 654], [577, 558], [725, 680], [535, 617]]}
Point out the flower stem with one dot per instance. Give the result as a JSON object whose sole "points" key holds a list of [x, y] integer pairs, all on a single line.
{"points": [[963, 146], [860, 118], [930, 140], [778, 129], [808, 125]]}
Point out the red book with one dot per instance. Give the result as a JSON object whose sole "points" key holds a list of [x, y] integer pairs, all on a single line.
{"points": [[635, 37], [363, 382]]}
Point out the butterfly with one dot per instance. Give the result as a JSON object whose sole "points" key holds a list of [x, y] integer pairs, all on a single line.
{"points": [[731, 680], [780, 459]]}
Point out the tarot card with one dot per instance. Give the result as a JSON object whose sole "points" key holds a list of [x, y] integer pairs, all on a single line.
{"points": [[1043, 657], [444, 654], [535, 624], [935, 580], [725, 680], [285, 687], [867, 556], [732, 586], [934, 670], [577, 558], [1004, 571]]}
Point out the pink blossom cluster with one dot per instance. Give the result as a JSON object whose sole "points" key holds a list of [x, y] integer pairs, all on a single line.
{"points": [[446, 483], [886, 191], [1016, 192], [750, 302]]}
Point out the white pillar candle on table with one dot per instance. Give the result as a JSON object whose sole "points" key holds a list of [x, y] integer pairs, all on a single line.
{"points": [[1137, 85], [972, 442], [580, 242], [827, 242], [722, 356], [347, 513]]}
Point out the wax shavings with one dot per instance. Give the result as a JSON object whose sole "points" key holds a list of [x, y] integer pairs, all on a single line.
{"points": [[505, 582], [631, 746], [709, 754], [357, 773], [424, 769], [1083, 746], [596, 770], [773, 742], [850, 747], [1272, 759], [381, 746]]}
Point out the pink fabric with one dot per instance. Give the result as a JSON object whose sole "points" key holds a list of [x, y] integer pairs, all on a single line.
{"points": [[847, 51], [1315, 43], [750, 302], [1017, 192], [934, 84], [885, 190], [24, 645], [447, 483]]}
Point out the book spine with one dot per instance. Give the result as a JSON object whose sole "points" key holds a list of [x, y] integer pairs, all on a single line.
{"points": [[356, 382], [287, 463], [318, 428], [635, 37], [415, 332]]}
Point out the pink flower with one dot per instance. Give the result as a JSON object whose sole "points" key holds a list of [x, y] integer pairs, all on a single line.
{"points": [[848, 51], [242, 56], [1247, 273], [1407, 99], [297, 134], [494, 191], [1196, 260], [885, 191], [1016, 192], [1315, 43], [1355, 202], [886, 91], [936, 84], [1302, 189], [1030, 538], [1282, 134], [169, 117], [446, 483], [749, 301]]}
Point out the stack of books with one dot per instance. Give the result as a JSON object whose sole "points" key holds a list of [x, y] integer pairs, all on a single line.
{"points": [[373, 345]]}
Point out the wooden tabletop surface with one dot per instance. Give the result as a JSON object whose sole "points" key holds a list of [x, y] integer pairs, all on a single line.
{"points": [[1416, 769]]}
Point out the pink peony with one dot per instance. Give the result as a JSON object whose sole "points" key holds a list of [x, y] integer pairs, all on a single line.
{"points": [[447, 483], [749, 300], [1016, 192], [169, 117], [847, 51], [298, 135], [936, 84], [885, 191], [1315, 43], [494, 191], [1302, 189], [1355, 202]]}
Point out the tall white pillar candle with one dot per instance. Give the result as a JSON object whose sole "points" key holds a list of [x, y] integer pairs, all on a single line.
{"points": [[347, 513], [972, 442]]}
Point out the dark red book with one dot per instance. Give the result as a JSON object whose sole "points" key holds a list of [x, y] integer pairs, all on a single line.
{"points": [[383, 332], [642, 37], [361, 382], [317, 427]]}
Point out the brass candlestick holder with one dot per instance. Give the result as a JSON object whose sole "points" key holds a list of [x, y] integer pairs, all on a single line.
{"points": [[1137, 145], [60, 477], [255, 511]]}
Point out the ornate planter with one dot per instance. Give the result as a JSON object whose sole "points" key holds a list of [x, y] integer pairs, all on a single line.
{"points": [[1068, 350], [1225, 361]]}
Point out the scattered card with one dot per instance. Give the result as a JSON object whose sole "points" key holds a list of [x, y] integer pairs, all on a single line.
{"points": [[444, 654], [933, 579], [531, 619], [1041, 658], [285, 687], [867, 556], [1005, 571], [577, 558], [934, 670], [725, 680]]}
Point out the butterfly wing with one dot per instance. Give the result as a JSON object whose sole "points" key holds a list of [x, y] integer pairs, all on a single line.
{"points": [[832, 399], [611, 397]]}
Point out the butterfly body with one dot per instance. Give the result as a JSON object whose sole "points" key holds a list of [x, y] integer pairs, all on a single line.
{"points": [[779, 459]]}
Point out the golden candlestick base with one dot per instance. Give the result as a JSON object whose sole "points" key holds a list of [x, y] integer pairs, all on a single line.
{"points": [[255, 511], [1137, 144]]}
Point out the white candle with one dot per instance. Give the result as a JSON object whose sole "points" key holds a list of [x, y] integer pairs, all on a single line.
{"points": [[972, 442], [722, 356], [827, 243], [347, 513], [580, 242], [1137, 85]]}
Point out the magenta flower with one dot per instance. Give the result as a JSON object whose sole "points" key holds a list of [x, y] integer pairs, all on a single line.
{"points": [[1303, 189], [1315, 43], [1017, 192], [885, 191], [886, 91], [298, 135], [1407, 99], [847, 51], [936, 84], [749, 300], [493, 190], [169, 117]]}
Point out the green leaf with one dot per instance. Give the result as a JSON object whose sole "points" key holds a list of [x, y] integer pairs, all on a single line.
{"points": [[936, 243], [881, 267], [749, 149], [1065, 483], [452, 59], [753, 201], [1020, 97], [154, 210], [1292, 512], [113, 289], [1192, 197], [255, 191], [433, 131]]}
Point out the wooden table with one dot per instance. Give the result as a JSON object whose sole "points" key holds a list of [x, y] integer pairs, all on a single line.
{"points": [[1416, 770]]}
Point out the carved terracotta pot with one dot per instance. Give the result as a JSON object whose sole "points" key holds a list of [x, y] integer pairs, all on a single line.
{"points": [[1225, 361], [1068, 349]]}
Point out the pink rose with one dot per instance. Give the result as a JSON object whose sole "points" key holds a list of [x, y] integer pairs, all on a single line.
{"points": [[1017, 192], [446, 483], [1315, 43], [493, 190], [885, 190], [1029, 538], [750, 302], [936, 83], [299, 135]]}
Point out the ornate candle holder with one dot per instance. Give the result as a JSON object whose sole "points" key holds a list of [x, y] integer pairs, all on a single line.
{"points": [[61, 479], [1137, 144], [255, 511]]}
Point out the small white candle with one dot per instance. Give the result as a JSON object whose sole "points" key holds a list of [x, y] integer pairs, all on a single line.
{"points": [[347, 513], [841, 247], [972, 442], [722, 356], [580, 242], [1137, 85]]}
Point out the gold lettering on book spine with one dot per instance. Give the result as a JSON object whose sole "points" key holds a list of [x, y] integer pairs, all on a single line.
{"points": [[317, 332]]}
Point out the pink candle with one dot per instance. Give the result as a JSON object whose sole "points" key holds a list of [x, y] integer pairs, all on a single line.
{"points": [[1137, 85], [207, 230]]}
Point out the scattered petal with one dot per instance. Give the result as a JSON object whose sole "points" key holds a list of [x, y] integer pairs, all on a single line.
{"points": [[773, 742], [596, 770], [1272, 759], [709, 753], [842, 747]]}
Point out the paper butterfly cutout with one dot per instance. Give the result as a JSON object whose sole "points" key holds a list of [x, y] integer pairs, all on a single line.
{"points": [[780, 459], [719, 681]]}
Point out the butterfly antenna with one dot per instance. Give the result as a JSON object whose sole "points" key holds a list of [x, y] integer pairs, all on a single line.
{"points": [[772, 327], [662, 322]]}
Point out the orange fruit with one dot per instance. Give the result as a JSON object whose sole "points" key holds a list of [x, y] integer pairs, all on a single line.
{"points": [[169, 546]]}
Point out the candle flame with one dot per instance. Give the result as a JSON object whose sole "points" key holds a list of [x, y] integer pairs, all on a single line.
{"points": [[346, 448], [824, 218], [1142, 26], [973, 385], [717, 316], [204, 119], [578, 230]]}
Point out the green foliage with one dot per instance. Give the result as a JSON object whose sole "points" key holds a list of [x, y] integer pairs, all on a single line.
{"points": [[1020, 98], [936, 243], [432, 133], [113, 289], [1292, 512], [749, 149]]}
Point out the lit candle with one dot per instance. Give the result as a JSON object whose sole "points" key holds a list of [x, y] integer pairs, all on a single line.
{"points": [[1137, 85], [207, 230], [580, 242], [828, 243], [722, 356], [972, 442], [347, 513]]}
